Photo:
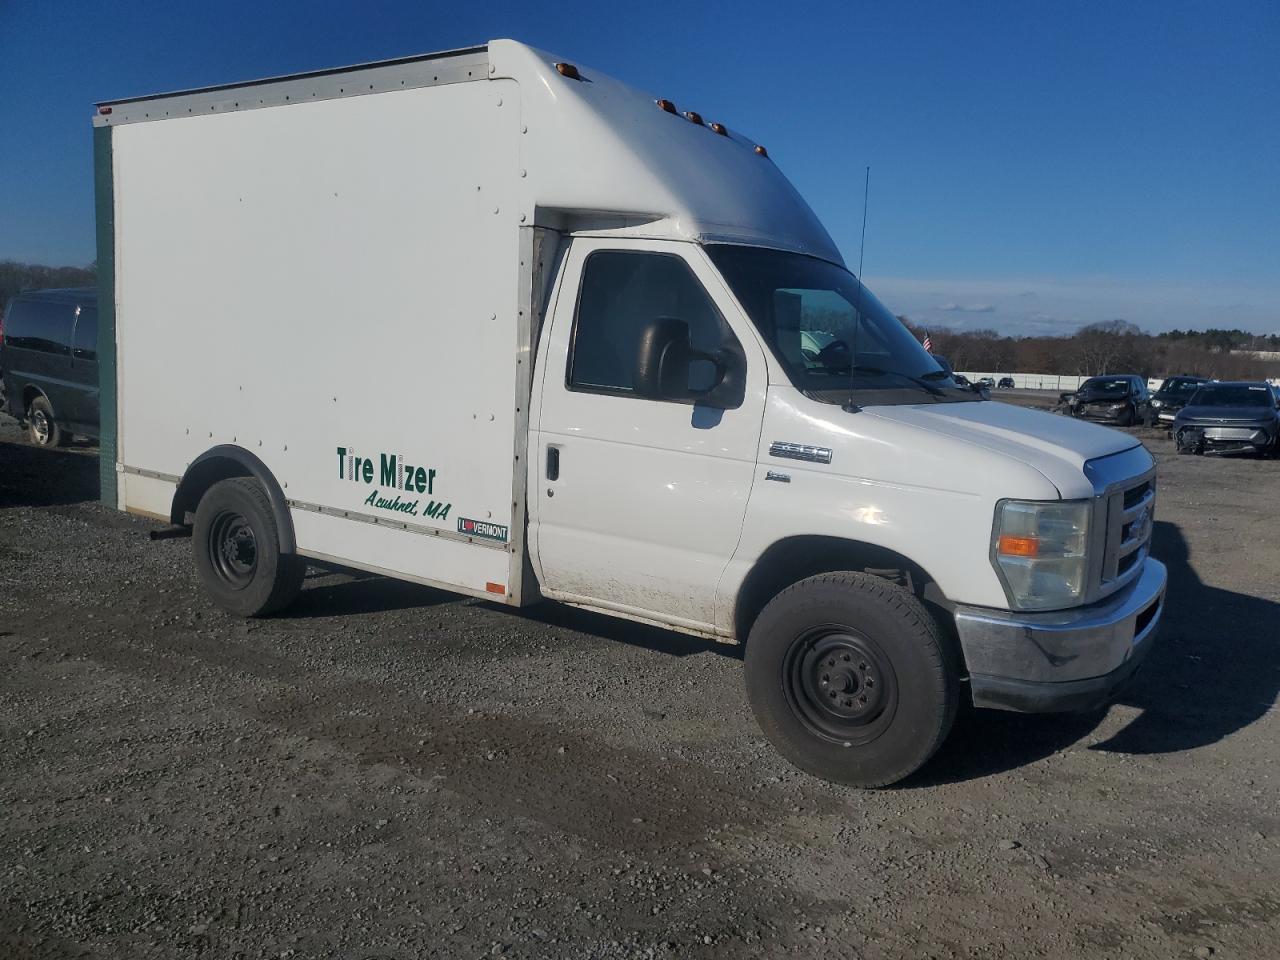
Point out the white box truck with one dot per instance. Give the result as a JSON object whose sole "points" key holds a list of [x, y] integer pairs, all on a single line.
{"points": [[493, 322]]}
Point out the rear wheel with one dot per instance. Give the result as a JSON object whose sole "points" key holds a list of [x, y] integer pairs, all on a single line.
{"points": [[849, 678], [237, 551], [42, 428]]}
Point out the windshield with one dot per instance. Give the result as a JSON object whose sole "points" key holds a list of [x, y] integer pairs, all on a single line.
{"points": [[1179, 388], [829, 332], [1232, 395], [1107, 386]]}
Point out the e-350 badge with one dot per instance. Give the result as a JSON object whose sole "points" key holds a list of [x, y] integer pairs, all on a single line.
{"points": [[482, 528]]}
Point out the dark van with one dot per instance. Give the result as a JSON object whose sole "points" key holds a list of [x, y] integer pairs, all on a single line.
{"points": [[49, 363]]}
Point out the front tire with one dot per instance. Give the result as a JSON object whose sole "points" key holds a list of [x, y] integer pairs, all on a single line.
{"points": [[237, 551], [849, 678], [42, 427]]}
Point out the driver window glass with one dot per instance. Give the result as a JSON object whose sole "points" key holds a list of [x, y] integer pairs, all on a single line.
{"points": [[623, 290]]}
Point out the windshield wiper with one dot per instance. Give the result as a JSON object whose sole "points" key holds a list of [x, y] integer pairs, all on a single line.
{"points": [[918, 381]]}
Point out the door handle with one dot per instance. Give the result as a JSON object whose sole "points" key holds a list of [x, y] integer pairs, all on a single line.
{"points": [[553, 463]]}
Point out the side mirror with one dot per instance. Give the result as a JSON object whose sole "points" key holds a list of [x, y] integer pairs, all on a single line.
{"points": [[662, 360], [668, 368]]}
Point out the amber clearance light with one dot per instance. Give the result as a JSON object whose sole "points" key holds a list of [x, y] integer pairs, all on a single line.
{"points": [[720, 129], [1011, 546], [761, 150], [568, 70], [668, 106]]}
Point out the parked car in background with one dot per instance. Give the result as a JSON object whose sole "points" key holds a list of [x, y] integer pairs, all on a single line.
{"points": [[959, 378], [49, 363], [1006, 383], [988, 382], [1229, 417], [1119, 399], [1172, 397]]}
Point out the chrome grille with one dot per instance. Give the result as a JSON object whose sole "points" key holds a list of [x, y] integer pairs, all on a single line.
{"points": [[1130, 518], [1124, 502]]}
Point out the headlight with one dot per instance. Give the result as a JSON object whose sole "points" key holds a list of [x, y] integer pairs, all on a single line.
{"points": [[1157, 403], [1039, 552], [1118, 406]]}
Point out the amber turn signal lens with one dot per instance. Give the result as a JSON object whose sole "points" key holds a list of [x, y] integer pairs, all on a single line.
{"points": [[761, 150], [693, 117], [720, 129], [667, 105], [568, 70], [1010, 546]]}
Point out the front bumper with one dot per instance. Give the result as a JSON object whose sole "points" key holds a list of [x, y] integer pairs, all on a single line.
{"points": [[1246, 438], [1099, 413], [1065, 660]]}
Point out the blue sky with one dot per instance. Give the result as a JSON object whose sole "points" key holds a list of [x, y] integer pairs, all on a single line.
{"points": [[1035, 166]]}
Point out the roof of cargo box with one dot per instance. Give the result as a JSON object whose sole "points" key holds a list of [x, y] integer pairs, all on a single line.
{"points": [[596, 144], [598, 153]]}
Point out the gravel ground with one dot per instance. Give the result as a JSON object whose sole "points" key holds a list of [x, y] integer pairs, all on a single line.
{"points": [[388, 771]]}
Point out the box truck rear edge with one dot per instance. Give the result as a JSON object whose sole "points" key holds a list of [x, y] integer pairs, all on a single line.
{"points": [[497, 323]]}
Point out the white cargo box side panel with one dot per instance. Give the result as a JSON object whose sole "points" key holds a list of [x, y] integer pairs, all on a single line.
{"points": [[332, 286]]}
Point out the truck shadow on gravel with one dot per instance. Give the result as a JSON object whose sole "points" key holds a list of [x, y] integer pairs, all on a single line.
{"points": [[35, 477], [630, 632], [1213, 672]]}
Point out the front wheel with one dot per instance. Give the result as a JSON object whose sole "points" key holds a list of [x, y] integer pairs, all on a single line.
{"points": [[849, 678], [237, 550]]}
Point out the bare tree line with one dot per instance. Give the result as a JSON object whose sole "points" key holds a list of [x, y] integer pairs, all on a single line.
{"points": [[1111, 347], [18, 277]]}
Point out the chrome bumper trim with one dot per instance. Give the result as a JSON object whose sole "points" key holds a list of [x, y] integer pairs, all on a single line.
{"points": [[1084, 644]]}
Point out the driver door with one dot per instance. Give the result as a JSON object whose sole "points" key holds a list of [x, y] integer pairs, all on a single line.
{"points": [[638, 504]]}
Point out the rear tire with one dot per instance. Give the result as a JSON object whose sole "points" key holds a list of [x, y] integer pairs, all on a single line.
{"points": [[849, 678], [42, 427], [237, 551]]}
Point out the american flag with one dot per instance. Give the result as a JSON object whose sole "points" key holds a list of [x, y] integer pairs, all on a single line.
{"points": [[928, 344]]}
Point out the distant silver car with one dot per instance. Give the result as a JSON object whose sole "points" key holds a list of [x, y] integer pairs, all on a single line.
{"points": [[1220, 418]]}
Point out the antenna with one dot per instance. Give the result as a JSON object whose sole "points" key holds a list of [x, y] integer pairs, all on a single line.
{"points": [[849, 405]]}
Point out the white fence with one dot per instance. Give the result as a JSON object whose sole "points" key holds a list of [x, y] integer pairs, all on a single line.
{"points": [[1032, 381], [1052, 381]]}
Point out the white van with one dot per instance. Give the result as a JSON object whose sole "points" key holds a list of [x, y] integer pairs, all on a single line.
{"points": [[497, 323]]}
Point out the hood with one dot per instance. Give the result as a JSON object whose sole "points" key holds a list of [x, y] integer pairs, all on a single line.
{"points": [[1058, 447], [1216, 415]]}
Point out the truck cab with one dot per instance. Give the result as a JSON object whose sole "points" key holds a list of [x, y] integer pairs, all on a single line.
{"points": [[621, 365]]}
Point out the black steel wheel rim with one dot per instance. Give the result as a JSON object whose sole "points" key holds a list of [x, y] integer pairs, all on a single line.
{"points": [[233, 549], [840, 685]]}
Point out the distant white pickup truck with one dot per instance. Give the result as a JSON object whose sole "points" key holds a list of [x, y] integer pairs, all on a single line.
{"points": [[497, 323]]}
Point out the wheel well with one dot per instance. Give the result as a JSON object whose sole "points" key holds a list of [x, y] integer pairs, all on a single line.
{"points": [[223, 463], [29, 395], [798, 558]]}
